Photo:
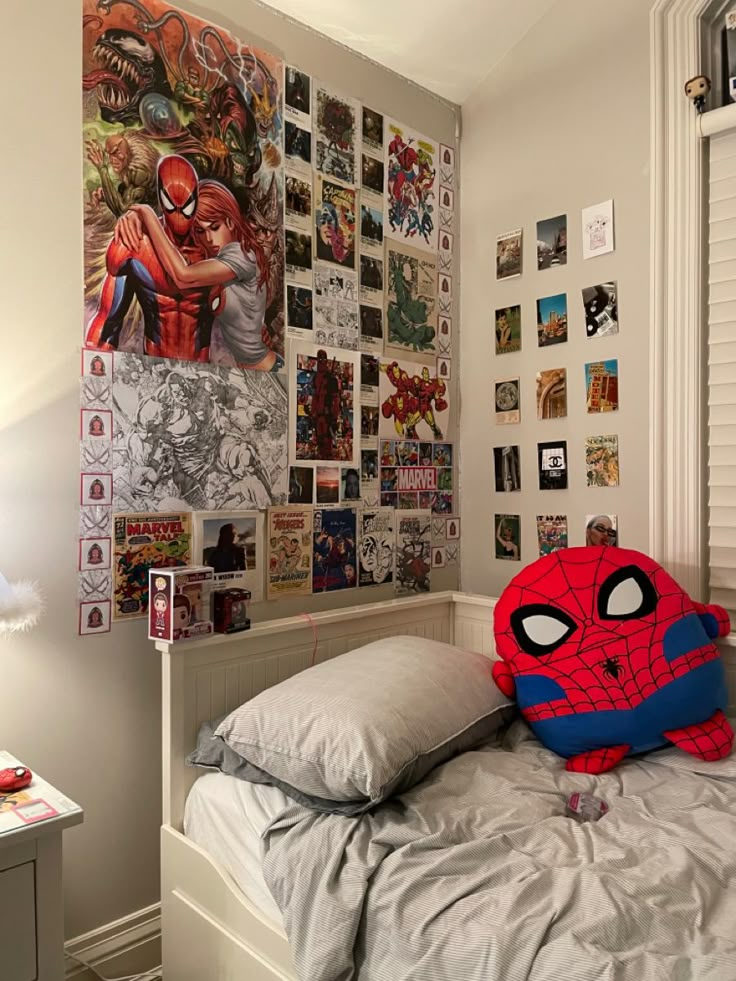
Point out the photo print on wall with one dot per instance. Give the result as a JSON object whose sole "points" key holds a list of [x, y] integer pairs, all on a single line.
{"points": [[601, 310], [508, 329], [509, 254], [552, 242], [552, 320], [508, 536]]}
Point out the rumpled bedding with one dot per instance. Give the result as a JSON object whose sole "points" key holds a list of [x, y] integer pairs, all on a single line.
{"points": [[477, 874]]}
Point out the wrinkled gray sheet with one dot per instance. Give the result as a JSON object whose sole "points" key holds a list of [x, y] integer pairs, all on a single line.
{"points": [[477, 875]]}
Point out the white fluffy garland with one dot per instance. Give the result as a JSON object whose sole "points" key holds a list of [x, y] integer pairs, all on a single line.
{"points": [[21, 606]]}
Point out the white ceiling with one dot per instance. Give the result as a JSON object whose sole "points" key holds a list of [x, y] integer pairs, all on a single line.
{"points": [[448, 46]]}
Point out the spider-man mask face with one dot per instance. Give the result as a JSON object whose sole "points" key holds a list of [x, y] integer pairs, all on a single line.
{"points": [[606, 626], [177, 193]]}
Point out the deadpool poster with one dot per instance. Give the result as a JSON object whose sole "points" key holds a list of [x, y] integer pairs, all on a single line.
{"points": [[183, 188]]}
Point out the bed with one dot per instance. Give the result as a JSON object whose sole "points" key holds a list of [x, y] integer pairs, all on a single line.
{"points": [[215, 925]]}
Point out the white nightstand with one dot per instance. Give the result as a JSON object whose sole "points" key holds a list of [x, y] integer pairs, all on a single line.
{"points": [[31, 901]]}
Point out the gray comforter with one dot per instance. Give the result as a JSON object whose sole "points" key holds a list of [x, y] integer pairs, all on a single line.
{"points": [[478, 874]]}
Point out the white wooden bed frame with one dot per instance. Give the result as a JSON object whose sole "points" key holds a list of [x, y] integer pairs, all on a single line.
{"points": [[210, 931]]}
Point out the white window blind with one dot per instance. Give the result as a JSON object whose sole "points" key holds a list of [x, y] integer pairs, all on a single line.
{"points": [[722, 371]]}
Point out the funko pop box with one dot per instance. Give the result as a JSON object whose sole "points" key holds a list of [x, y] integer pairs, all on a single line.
{"points": [[179, 602]]}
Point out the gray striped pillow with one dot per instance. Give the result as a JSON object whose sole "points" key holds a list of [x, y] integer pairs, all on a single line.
{"points": [[356, 729]]}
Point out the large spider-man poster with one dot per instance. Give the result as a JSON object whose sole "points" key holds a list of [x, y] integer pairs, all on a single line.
{"points": [[183, 230]]}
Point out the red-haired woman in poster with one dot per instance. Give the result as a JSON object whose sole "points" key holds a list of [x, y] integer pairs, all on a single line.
{"points": [[236, 264]]}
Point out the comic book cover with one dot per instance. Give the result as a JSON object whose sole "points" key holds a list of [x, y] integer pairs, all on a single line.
{"points": [[415, 403], [551, 532], [601, 385], [182, 124], [334, 134], [335, 307], [197, 436], [289, 552], [411, 299], [552, 393], [334, 222], [376, 546], [552, 462], [411, 186], [142, 542], [508, 536], [601, 461], [334, 549], [323, 404], [413, 552]]}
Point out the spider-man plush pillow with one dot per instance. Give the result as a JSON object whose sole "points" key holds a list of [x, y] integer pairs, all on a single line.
{"points": [[608, 656]]}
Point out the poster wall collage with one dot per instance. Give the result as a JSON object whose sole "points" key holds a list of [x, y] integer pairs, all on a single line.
{"points": [[600, 453], [268, 324]]}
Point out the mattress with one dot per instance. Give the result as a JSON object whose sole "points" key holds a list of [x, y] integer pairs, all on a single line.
{"points": [[226, 817]]}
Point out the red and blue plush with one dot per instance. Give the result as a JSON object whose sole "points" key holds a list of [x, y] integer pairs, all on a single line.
{"points": [[608, 656]]}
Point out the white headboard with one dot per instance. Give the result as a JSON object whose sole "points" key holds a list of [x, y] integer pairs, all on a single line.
{"points": [[207, 678]]}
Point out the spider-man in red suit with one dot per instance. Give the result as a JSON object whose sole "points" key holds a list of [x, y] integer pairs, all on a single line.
{"points": [[608, 656], [176, 324]]}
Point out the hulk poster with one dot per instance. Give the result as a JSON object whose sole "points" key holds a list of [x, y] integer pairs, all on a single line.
{"points": [[411, 300], [183, 182]]}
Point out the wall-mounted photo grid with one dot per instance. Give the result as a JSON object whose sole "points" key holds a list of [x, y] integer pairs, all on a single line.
{"points": [[560, 463], [267, 348]]}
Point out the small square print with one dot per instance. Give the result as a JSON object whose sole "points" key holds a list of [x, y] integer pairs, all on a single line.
{"points": [[439, 529], [96, 488], [447, 156], [94, 618], [444, 368], [97, 364], [95, 424], [94, 522], [445, 286], [95, 455], [453, 529], [95, 393], [438, 557], [451, 553], [447, 220], [447, 198], [447, 243], [94, 585], [94, 553]]}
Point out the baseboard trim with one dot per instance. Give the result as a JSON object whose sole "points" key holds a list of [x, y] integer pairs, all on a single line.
{"points": [[135, 938]]}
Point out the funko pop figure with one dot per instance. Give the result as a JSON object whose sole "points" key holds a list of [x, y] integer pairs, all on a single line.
{"points": [[697, 89]]}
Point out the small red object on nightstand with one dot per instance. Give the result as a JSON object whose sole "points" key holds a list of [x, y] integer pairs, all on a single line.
{"points": [[15, 778]]}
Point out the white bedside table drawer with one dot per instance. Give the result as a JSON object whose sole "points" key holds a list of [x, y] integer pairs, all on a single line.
{"points": [[18, 923]]}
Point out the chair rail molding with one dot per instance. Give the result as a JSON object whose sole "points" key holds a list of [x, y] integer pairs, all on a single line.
{"points": [[677, 307]]}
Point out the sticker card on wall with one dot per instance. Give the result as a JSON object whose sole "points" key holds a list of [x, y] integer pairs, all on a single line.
{"points": [[94, 618], [95, 553]]}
